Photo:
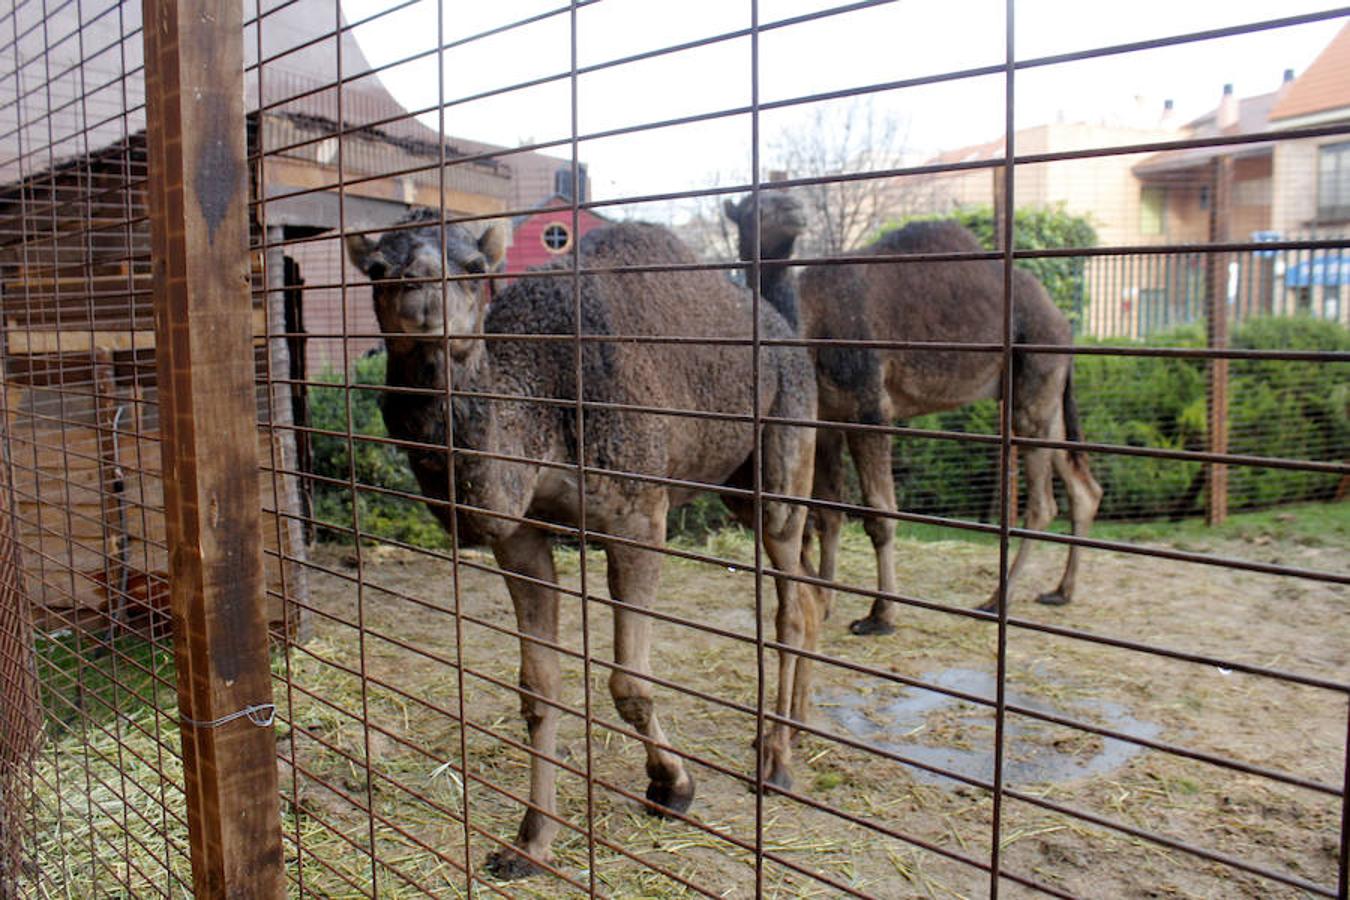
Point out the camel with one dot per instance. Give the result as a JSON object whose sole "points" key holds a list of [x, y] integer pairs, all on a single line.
{"points": [[435, 328], [938, 301]]}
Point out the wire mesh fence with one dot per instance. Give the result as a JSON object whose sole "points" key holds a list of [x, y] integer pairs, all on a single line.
{"points": [[337, 433]]}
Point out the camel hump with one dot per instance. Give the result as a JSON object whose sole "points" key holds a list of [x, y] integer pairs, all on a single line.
{"points": [[635, 243], [928, 236]]}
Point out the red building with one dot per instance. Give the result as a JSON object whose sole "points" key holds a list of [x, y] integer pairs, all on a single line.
{"points": [[540, 237]]}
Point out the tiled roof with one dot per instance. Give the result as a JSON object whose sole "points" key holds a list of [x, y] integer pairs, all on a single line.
{"points": [[1324, 87], [297, 88], [975, 152], [1253, 118]]}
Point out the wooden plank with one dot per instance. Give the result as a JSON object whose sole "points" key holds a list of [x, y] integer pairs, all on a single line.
{"points": [[208, 415], [285, 175], [43, 337], [75, 282], [20, 711], [32, 341]]}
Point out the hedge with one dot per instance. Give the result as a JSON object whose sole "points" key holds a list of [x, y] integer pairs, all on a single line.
{"points": [[1298, 410]]}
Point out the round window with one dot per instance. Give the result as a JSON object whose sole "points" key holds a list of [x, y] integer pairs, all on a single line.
{"points": [[557, 237]]}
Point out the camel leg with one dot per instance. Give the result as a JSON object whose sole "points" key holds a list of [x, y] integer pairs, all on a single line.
{"points": [[801, 608], [1040, 512], [633, 577], [797, 624], [527, 552], [1085, 496], [829, 485], [872, 455], [789, 459]]}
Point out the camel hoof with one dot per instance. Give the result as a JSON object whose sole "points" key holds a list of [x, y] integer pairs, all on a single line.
{"points": [[1053, 598], [670, 798], [989, 606], [779, 778], [870, 625], [509, 865]]}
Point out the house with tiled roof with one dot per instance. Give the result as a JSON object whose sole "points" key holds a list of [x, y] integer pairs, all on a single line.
{"points": [[1102, 188], [1312, 175], [1269, 188]]}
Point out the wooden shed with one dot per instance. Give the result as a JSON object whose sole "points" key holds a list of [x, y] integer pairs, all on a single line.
{"points": [[75, 282], [80, 391]]}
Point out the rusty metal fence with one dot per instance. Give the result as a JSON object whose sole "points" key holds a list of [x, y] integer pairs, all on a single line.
{"points": [[1140, 297], [293, 425]]}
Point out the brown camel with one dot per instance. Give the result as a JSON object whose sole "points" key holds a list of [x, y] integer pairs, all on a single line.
{"points": [[937, 301], [417, 311]]}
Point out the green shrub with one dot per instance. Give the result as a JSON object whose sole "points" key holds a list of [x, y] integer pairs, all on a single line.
{"points": [[1290, 409], [1295, 410], [376, 464]]}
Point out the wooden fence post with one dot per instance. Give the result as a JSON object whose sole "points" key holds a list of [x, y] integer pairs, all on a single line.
{"points": [[208, 417], [289, 531], [20, 705], [1216, 333]]}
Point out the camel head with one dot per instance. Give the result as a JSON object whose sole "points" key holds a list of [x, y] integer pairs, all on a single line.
{"points": [[409, 278], [781, 221]]}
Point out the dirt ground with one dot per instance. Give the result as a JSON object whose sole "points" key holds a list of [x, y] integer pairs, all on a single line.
{"points": [[1293, 624]]}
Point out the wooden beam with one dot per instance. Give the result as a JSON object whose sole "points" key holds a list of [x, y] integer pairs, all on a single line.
{"points": [[21, 709], [283, 491], [285, 175], [199, 235], [24, 339], [24, 342]]}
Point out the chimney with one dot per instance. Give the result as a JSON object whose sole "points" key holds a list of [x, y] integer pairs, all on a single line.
{"points": [[1285, 83], [1227, 117], [1169, 113]]}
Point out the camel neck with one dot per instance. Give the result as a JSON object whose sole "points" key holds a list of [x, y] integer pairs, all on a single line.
{"points": [[416, 364], [776, 287]]}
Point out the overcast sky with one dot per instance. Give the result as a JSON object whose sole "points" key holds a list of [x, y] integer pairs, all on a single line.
{"points": [[904, 39]]}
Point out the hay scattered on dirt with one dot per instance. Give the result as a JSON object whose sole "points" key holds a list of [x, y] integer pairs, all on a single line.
{"points": [[98, 807]]}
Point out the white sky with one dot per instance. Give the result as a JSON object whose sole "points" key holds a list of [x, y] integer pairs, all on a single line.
{"points": [[905, 39]]}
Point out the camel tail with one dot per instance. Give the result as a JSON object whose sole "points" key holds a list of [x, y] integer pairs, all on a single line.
{"points": [[1073, 428]]}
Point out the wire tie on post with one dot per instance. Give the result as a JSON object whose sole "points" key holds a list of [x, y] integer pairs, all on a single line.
{"points": [[260, 714]]}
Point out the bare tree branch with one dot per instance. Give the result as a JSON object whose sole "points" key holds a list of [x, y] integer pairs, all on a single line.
{"points": [[844, 139]]}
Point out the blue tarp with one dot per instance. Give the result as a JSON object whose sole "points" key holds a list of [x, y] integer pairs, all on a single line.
{"points": [[1319, 271]]}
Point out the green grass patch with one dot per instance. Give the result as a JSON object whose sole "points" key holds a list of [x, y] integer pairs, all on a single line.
{"points": [[1309, 524]]}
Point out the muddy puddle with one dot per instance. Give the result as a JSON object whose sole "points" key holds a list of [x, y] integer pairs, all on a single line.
{"points": [[957, 735]]}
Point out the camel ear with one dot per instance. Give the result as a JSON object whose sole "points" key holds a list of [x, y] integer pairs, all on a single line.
{"points": [[732, 209], [492, 244], [364, 255]]}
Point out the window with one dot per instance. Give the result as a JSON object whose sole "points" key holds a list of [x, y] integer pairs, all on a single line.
{"points": [[557, 237], [1152, 207], [1333, 183], [1331, 302]]}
